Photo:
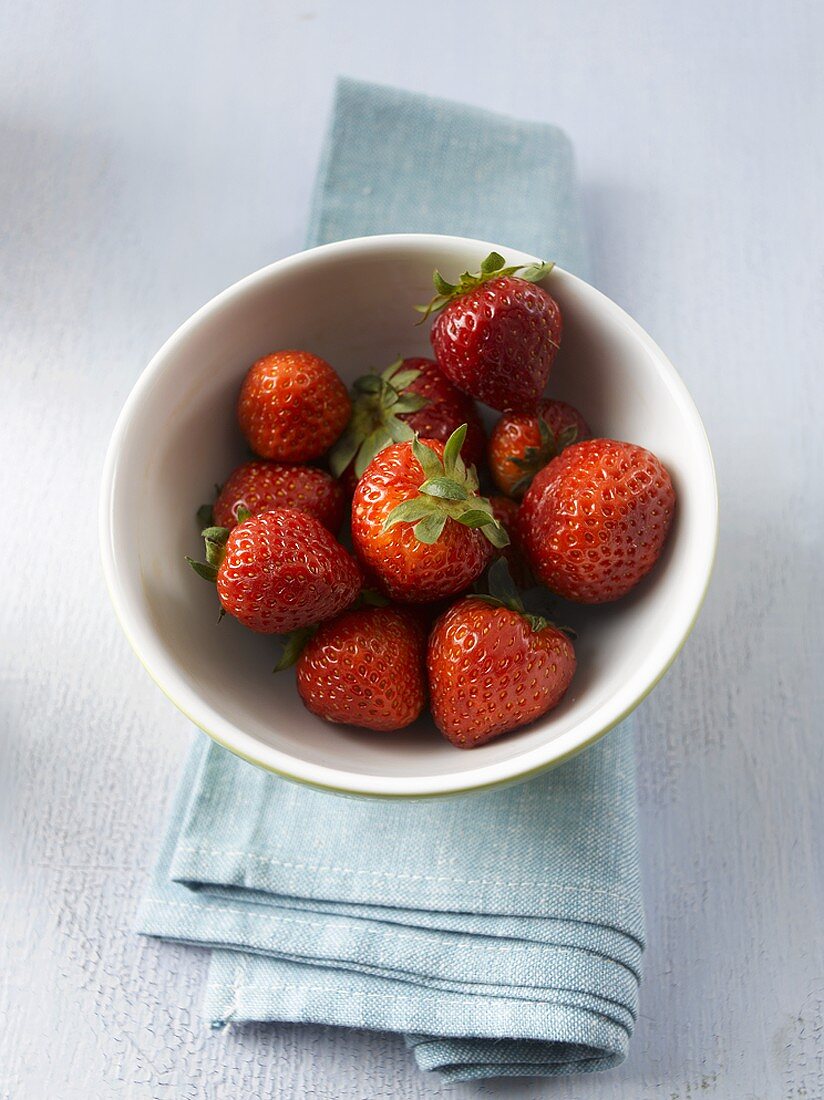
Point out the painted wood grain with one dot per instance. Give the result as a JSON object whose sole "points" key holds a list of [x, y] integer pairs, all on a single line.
{"points": [[151, 154]]}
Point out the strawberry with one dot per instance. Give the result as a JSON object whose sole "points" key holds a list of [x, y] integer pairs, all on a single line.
{"points": [[496, 334], [523, 444], [418, 522], [411, 397], [292, 406], [493, 667], [366, 668], [594, 520], [279, 571], [261, 486]]}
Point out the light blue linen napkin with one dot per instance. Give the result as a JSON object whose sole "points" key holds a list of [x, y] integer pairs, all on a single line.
{"points": [[500, 932]]}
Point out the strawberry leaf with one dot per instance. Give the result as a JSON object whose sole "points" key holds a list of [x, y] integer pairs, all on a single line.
{"points": [[429, 529], [368, 383], [204, 516], [493, 267], [389, 372], [374, 442], [409, 403], [533, 272], [494, 262], [403, 378], [453, 449], [399, 431], [441, 285], [344, 451], [409, 511], [501, 585], [445, 488], [428, 459], [207, 572], [293, 645]]}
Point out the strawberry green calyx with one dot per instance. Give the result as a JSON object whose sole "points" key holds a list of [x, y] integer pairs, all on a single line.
{"points": [[450, 491], [215, 541], [535, 458], [493, 267], [378, 401], [292, 646], [503, 593]]}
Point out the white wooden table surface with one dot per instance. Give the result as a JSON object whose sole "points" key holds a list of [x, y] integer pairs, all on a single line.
{"points": [[150, 154]]}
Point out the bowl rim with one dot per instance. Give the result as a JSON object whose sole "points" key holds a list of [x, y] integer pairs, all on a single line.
{"points": [[163, 671]]}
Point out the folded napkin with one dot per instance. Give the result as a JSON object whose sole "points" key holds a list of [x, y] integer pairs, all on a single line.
{"points": [[500, 932]]}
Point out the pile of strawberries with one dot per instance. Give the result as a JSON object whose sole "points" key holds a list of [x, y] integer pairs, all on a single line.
{"points": [[426, 605]]}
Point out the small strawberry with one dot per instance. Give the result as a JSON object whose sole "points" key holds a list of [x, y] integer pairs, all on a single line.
{"points": [[279, 571], [418, 522], [292, 406], [411, 397], [493, 667], [497, 334], [261, 486], [523, 444], [594, 520], [366, 668]]}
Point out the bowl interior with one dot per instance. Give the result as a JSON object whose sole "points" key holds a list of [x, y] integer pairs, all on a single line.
{"points": [[350, 303]]}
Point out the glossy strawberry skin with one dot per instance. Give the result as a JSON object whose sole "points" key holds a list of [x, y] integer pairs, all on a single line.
{"points": [[409, 570], [515, 433], [366, 668], [447, 408], [282, 570], [594, 521], [490, 672], [261, 486], [498, 342], [292, 406]]}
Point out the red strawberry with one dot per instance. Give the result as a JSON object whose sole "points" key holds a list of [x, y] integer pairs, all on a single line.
{"points": [[418, 522], [366, 668], [292, 406], [261, 486], [498, 333], [411, 397], [492, 668], [595, 519], [279, 571], [523, 444]]}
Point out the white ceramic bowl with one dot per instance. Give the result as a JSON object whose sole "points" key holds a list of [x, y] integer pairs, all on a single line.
{"points": [[350, 302]]}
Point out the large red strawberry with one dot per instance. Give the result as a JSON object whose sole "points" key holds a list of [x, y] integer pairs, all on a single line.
{"points": [[594, 520], [279, 571], [292, 406], [493, 667], [418, 523], [261, 486], [411, 397], [366, 668], [522, 444], [497, 333]]}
